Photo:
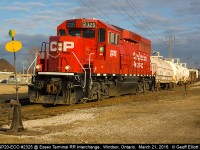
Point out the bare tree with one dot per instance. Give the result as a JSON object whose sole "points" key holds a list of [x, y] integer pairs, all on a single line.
{"points": [[31, 56]]}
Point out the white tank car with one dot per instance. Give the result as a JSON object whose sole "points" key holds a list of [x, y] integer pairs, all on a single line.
{"points": [[175, 71], [181, 73], [185, 72], [162, 70]]}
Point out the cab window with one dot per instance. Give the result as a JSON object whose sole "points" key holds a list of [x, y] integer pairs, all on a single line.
{"points": [[88, 33], [101, 35], [61, 32], [113, 38], [74, 33], [82, 33]]}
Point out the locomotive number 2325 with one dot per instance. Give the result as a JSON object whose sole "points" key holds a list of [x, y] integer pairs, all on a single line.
{"points": [[88, 24]]}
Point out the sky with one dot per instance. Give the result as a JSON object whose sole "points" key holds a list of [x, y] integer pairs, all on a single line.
{"points": [[158, 20]]}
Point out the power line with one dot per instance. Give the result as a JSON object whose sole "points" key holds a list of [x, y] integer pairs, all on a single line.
{"points": [[93, 10], [145, 22], [104, 14], [133, 19]]}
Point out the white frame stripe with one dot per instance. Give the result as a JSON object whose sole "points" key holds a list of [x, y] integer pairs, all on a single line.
{"points": [[55, 73]]}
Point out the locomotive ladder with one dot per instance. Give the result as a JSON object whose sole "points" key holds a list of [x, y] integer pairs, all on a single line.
{"points": [[82, 68]]}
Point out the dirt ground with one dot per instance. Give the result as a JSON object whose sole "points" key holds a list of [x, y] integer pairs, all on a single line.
{"points": [[156, 117], [7, 91]]}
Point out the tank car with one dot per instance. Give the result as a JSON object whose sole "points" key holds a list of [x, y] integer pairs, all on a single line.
{"points": [[163, 72], [90, 60], [185, 73], [181, 73], [193, 75]]}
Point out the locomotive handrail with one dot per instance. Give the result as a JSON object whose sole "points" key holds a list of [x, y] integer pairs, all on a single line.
{"points": [[36, 56], [40, 53], [44, 47], [52, 55], [45, 50], [81, 67], [90, 67]]}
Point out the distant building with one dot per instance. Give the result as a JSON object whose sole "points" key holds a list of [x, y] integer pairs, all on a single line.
{"points": [[5, 66]]}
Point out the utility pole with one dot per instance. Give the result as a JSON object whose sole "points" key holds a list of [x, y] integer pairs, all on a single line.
{"points": [[23, 65], [170, 43], [188, 60], [196, 64]]}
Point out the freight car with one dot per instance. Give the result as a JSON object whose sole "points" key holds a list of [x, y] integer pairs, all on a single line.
{"points": [[169, 72], [193, 75], [163, 72], [181, 73]]}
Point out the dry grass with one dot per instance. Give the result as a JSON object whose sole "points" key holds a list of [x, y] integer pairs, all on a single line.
{"points": [[8, 91]]}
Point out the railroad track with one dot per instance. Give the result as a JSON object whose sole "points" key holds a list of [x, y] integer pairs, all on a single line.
{"points": [[37, 111]]}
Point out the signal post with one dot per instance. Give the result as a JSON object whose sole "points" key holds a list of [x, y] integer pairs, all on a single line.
{"points": [[16, 125]]}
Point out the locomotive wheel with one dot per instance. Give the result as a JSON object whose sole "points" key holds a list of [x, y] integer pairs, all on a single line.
{"points": [[171, 86], [152, 88], [95, 92], [136, 91], [158, 86], [141, 87], [47, 105], [83, 101], [33, 94]]}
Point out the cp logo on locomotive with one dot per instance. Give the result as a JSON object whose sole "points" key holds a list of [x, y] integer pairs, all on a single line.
{"points": [[66, 45]]}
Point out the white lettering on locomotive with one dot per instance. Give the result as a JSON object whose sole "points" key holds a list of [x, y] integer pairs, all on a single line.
{"points": [[138, 64], [53, 46], [139, 57], [138, 60], [113, 53], [66, 45]]}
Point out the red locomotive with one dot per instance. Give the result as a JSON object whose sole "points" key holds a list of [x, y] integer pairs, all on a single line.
{"points": [[88, 60]]}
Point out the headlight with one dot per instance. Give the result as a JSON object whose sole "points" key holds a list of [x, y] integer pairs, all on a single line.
{"points": [[37, 67], [101, 49], [67, 67]]}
